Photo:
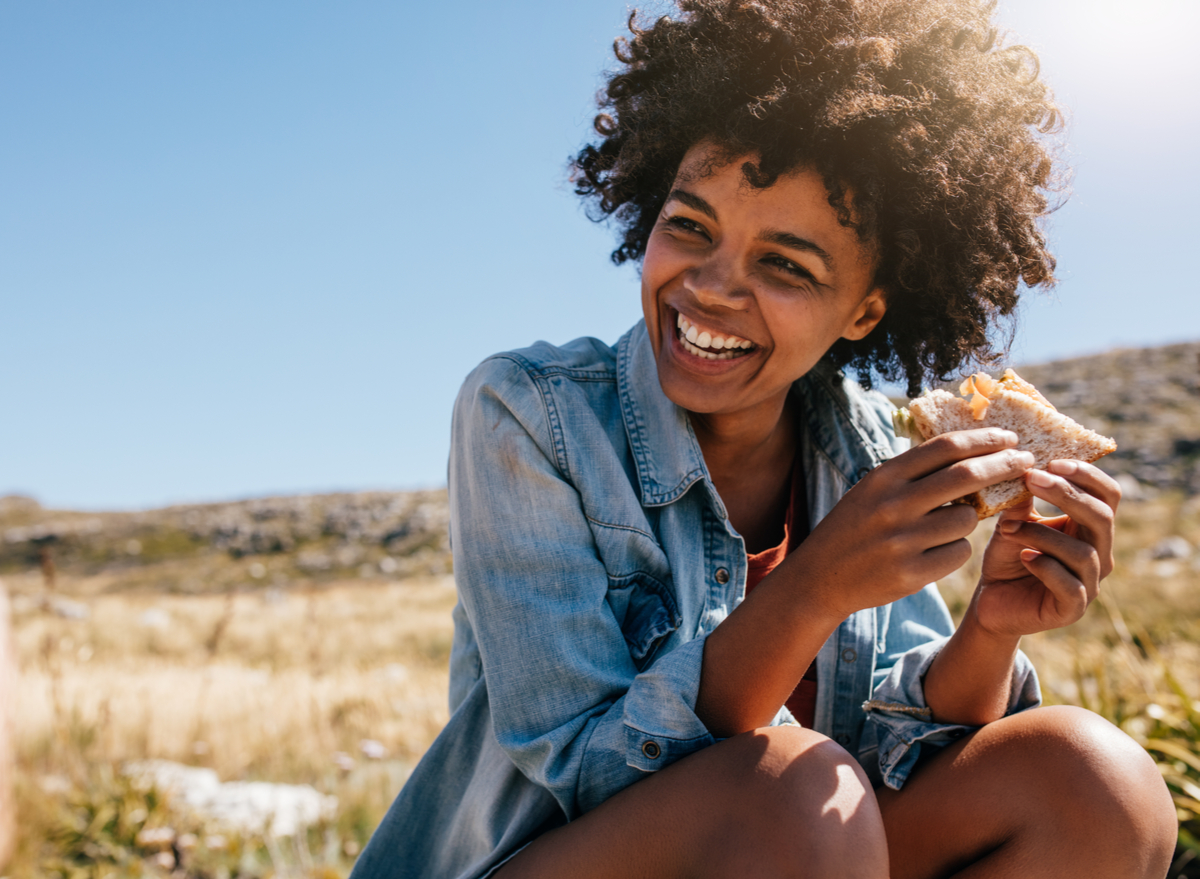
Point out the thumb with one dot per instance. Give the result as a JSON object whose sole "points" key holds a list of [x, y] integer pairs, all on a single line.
{"points": [[1023, 511]]}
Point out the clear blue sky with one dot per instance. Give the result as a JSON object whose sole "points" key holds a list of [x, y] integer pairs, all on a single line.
{"points": [[253, 248]]}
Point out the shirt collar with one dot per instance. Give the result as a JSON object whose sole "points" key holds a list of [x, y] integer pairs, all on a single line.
{"points": [[838, 417], [665, 449]]}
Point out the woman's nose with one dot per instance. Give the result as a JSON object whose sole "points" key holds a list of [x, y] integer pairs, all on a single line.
{"points": [[716, 282]]}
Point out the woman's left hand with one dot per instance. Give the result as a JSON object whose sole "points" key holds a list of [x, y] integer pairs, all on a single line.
{"points": [[1042, 572]]}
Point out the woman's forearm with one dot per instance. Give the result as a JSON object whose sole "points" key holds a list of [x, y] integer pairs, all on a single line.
{"points": [[969, 681], [756, 656]]}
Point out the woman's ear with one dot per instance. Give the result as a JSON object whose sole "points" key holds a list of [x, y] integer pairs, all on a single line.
{"points": [[869, 313]]}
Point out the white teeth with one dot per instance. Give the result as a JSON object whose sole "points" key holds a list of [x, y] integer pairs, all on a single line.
{"points": [[704, 344]]}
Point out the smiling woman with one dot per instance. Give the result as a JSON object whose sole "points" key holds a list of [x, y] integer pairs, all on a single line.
{"points": [[697, 631]]}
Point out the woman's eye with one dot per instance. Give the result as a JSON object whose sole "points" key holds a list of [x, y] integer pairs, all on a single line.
{"points": [[790, 267], [683, 224]]}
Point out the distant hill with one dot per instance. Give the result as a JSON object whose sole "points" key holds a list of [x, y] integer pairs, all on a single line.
{"points": [[1147, 399], [245, 544]]}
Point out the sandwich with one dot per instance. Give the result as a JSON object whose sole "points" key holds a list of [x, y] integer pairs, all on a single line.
{"points": [[1010, 403]]}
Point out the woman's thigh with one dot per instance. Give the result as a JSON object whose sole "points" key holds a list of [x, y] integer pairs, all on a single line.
{"points": [[779, 802], [1049, 792]]}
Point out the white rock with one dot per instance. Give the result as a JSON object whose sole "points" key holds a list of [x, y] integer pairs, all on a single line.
{"points": [[1171, 548], [372, 749], [245, 807], [1131, 489], [154, 618], [68, 609]]}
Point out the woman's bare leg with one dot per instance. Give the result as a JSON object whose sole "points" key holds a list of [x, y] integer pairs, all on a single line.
{"points": [[1051, 792], [776, 802]]}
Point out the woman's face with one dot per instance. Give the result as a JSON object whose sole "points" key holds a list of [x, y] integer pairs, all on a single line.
{"points": [[745, 289]]}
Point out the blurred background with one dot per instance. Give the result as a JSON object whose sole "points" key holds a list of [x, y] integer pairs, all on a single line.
{"points": [[248, 252]]}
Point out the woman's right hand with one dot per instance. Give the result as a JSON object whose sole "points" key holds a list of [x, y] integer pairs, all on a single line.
{"points": [[890, 536], [893, 532]]}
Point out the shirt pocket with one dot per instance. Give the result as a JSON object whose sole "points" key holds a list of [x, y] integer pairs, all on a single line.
{"points": [[646, 612], [639, 589]]}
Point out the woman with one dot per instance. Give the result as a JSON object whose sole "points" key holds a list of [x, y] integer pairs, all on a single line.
{"points": [[695, 634]]}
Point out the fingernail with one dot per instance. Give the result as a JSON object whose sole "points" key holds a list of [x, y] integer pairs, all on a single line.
{"points": [[1028, 555], [1010, 526], [1040, 478], [1010, 437], [1027, 459], [1063, 467]]}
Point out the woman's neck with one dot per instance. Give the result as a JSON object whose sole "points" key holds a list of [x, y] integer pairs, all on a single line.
{"points": [[749, 460]]}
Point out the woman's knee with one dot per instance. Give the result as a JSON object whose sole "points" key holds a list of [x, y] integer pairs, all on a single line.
{"points": [[1085, 749], [1098, 780], [803, 804]]}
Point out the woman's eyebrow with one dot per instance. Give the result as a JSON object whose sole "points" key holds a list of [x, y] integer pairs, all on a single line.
{"points": [[795, 242], [694, 202]]}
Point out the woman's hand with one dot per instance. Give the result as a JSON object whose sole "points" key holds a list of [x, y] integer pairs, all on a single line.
{"points": [[887, 538], [892, 534], [1041, 572]]}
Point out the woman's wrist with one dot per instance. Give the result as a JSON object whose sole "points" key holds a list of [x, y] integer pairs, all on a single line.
{"points": [[970, 680], [999, 643]]}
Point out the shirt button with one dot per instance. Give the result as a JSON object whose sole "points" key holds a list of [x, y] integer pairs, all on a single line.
{"points": [[849, 655], [651, 750], [843, 739], [722, 576]]}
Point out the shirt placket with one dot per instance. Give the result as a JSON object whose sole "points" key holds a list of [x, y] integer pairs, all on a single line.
{"points": [[854, 665]]}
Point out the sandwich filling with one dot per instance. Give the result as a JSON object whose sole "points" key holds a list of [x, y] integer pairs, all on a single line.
{"points": [[981, 387]]}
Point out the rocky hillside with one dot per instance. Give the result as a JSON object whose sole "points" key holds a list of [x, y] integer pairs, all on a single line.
{"points": [[1147, 399], [200, 548]]}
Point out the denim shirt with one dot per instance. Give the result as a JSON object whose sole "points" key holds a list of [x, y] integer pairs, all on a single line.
{"points": [[593, 556]]}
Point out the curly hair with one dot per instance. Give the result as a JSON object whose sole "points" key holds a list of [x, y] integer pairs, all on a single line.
{"points": [[929, 133]]}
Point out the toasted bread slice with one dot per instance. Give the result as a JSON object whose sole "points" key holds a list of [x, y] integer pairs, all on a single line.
{"points": [[1015, 405]]}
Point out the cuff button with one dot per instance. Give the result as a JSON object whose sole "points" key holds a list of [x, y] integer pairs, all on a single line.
{"points": [[651, 750]]}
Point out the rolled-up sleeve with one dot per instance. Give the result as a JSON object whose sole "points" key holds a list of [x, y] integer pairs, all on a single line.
{"points": [[899, 719], [569, 705]]}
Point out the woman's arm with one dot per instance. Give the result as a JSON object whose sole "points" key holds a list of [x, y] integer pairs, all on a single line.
{"points": [[569, 704], [886, 539]]}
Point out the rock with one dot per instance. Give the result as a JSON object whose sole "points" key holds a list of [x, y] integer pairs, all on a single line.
{"points": [[246, 807], [155, 618], [372, 749], [66, 608], [1131, 489], [1171, 548]]}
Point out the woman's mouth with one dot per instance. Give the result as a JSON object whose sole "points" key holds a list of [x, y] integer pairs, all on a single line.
{"points": [[710, 345]]}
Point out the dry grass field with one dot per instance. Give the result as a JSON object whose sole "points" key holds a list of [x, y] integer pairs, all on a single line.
{"points": [[304, 641], [294, 685], [341, 687]]}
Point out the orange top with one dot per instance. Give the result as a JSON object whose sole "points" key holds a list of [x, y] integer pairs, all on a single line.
{"points": [[803, 701]]}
